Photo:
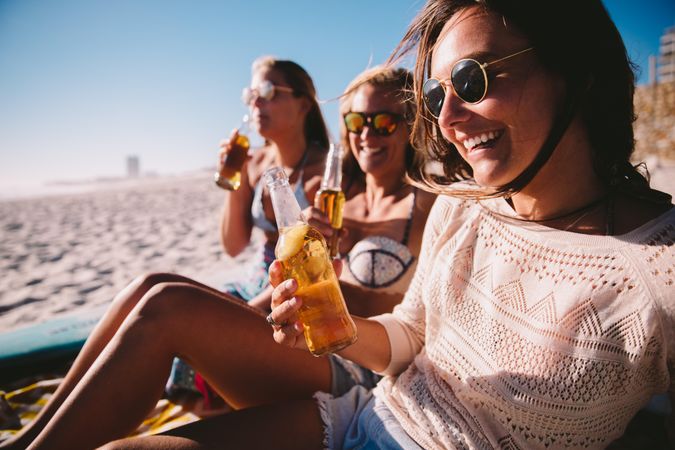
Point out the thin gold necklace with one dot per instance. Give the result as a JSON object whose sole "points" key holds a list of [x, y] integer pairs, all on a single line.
{"points": [[608, 200]]}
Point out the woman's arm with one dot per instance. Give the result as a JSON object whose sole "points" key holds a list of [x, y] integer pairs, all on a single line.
{"points": [[369, 302]]}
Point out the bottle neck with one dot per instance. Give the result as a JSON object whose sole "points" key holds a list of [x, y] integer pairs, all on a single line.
{"points": [[286, 208], [332, 177]]}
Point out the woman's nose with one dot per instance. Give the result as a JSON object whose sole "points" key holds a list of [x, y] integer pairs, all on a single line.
{"points": [[367, 132], [257, 100], [454, 110]]}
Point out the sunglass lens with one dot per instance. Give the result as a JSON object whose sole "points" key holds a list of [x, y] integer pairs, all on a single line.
{"points": [[354, 122], [468, 80], [385, 124], [434, 96], [266, 90]]}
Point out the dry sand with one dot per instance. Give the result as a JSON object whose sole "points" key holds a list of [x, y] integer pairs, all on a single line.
{"points": [[62, 253], [73, 252]]}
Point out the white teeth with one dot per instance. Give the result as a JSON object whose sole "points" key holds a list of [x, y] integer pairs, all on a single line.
{"points": [[474, 141], [371, 150]]}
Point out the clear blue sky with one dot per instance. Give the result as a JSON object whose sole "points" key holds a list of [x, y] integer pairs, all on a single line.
{"points": [[84, 83]]}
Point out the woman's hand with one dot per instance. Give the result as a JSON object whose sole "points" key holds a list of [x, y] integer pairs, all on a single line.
{"points": [[316, 218], [284, 316], [285, 306], [226, 146]]}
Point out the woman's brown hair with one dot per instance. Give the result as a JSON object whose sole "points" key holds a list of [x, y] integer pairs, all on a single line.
{"points": [[301, 83]]}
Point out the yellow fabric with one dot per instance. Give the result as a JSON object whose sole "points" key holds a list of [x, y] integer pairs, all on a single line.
{"points": [[20, 406]]}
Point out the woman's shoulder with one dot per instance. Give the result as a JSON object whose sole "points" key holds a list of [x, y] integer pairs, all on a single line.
{"points": [[425, 200], [631, 213]]}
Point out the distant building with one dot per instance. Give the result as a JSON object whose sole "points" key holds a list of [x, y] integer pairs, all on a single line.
{"points": [[666, 62], [133, 166]]}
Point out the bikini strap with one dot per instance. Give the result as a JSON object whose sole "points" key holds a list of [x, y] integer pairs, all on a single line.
{"points": [[408, 224], [301, 165]]}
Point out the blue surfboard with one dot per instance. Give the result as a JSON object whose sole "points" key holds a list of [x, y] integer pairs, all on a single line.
{"points": [[51, 340]]}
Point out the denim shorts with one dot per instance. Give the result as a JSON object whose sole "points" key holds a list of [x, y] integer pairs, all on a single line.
{"points": [[359, 420], [346, 374]]}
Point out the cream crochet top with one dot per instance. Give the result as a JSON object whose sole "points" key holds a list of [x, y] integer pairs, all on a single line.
{"points": [[517, 336]]}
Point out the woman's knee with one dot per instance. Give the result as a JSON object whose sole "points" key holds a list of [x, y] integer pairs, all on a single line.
{"points": [[146, 281], [128, 297], [169, 298]]}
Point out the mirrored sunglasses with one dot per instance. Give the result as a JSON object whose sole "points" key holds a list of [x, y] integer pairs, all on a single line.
{"points": [[468, 79], [382, 123], [265, 90]]}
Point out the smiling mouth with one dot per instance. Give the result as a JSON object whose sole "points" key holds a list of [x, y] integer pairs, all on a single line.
{"points": [[484, 140], [371, 151]]}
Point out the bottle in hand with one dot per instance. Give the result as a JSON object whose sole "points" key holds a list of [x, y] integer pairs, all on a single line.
{"points": [[330, 199], [302, 252], [229, 175]]}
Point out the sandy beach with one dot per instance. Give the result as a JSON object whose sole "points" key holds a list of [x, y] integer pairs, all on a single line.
{"points": [[72, 252]]}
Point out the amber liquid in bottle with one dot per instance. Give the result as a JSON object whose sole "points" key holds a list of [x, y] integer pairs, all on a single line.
{"points": [[331, 202], [229, 175], [328, 327], [330, 199]]}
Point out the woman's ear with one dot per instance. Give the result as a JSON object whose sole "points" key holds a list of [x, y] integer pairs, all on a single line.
{"points": [[306, 105]]}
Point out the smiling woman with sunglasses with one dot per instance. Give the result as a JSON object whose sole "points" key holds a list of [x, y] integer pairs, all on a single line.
{"points": [[542, 313]]}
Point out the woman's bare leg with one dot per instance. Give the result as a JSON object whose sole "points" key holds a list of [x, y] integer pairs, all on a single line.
{"points": [[228, 342], [294, 425], [120, 307]]}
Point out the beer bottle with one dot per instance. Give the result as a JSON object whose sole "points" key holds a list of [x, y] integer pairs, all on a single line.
{"points": [[229, 175], [303, 255], [330, 199]]}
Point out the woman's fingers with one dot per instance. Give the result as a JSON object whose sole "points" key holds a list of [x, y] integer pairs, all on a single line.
{"points": [[283, 293], [284, 315], [337, 266], [318, 220], [225, 145], [276, 273]]}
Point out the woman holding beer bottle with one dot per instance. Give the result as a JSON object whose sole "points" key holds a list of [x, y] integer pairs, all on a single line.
{"points": [[228, 341], [285, 113]]}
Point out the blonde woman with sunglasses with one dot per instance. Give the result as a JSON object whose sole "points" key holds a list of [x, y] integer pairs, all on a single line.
{"points": [[284, 111]]}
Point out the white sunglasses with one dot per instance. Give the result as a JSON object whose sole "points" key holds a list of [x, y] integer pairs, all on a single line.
{"points": [[265, 90]]}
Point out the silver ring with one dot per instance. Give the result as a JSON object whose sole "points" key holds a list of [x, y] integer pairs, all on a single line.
{"points": [[271, 321]]}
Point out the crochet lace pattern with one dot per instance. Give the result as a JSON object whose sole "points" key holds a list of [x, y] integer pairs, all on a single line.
{"points": [[534, 338]]}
